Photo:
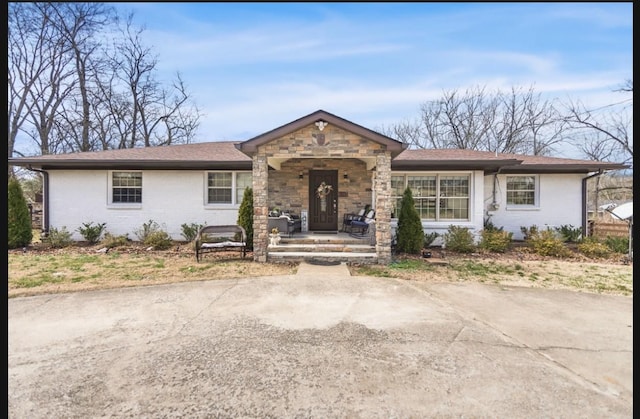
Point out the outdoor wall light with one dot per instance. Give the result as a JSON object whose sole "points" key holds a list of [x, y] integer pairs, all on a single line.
{"points": [[300, 175], [346, 175]]}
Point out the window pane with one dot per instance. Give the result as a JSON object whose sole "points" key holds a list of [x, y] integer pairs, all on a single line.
{"points": [[219, 188], [451, 186], [397, 186], [127, 187], [521, 190], [422, 185], [220, 196], [220, 180], [426, 208], [243, 181], [454, 208]]}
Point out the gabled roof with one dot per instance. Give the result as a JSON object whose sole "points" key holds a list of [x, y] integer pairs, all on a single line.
{"points": [[212, 155], [250, 146], [454, 159]]}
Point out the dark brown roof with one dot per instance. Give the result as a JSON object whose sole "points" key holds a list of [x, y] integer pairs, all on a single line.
{"points": [[250, 146], [225, 155], [212, 155], [489, 161]]}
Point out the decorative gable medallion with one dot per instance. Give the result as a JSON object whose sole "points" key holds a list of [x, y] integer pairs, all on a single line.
{"points": [[319, 139]]}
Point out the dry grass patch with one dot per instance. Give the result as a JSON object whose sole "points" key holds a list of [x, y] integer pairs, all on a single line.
{"points": [[595, 276], [40, 271]]}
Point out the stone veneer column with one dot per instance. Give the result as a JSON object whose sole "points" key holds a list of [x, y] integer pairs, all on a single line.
{"points": [[383, 207], [260, 208]]}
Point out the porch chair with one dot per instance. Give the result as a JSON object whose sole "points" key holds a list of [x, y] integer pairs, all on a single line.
{"points": [[360, 228], [348, 218]]}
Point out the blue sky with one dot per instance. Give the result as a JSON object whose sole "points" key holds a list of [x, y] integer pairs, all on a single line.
{"points": [[252, 67]]}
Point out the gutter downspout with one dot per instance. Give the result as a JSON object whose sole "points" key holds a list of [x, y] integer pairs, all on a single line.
{"points": [[584, 200], [45, 199]]}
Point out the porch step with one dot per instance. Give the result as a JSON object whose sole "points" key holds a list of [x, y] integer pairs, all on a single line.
{"points": [[322, 248], [356, 257], [340, 247]]}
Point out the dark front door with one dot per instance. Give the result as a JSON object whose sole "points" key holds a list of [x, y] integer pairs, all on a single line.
{"points": [[323, 200]]}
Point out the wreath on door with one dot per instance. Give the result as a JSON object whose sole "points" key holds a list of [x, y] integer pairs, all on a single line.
{"points": [[322, 191]]}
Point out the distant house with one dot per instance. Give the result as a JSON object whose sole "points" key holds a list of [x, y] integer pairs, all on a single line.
{"points": [[204, 183]]}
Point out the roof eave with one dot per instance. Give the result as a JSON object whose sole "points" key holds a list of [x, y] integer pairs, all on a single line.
{"points": [[453, 164], [131, 164]]}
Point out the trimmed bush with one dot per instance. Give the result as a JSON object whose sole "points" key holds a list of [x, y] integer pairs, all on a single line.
{"points": [[111, 241], [429, 238], [546, 243], [569, 233], [19, 218], [617, 244], [147, 229], [495, 240], [159, 240], [58, 238], [190, 231], [245, 215], [592, 247], [90, 232], [459, 239], [410, 234], [528, 232]]}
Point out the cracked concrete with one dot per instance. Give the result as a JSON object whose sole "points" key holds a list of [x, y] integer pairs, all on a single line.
{"points": [[321, 344]]}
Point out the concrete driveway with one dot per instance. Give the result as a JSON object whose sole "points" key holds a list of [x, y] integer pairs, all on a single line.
{"points": [[321, 344]]}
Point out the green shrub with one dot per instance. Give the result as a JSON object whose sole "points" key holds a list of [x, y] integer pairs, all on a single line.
{"points": [[529, 231], [495, 240], [546, 243], [617, 244], [110, 241], [570, 233], [410, 234], [429, 238], [459, 239], [58, 238], [159, 240], [90, 232], [190, 231], [489, 226], [19, 218], [146, 230], [245, 215], [592, 247]]}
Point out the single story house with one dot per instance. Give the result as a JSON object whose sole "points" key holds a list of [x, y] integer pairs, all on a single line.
{"points": [[204, 183]]}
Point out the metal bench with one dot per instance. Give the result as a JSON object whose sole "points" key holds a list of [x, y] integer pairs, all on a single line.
{"points": [[218, 238]]}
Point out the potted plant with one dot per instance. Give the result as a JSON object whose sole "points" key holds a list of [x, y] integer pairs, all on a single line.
{"points": [[274, 237]]}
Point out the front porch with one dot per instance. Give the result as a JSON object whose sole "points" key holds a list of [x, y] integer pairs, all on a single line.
{"points": [[322, 167], [326, 247]]}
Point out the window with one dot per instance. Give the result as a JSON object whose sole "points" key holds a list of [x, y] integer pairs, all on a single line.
{"points": [[437, 196], [521, 190], [126, 187], [227, 187]]}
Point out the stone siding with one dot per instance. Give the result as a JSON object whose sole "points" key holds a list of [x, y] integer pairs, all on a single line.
{"points": [[301, 151]]}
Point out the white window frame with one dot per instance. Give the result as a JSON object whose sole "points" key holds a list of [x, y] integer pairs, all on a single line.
{"points": [[437, 219], [110, 188], [235, 200], [536, 193]]}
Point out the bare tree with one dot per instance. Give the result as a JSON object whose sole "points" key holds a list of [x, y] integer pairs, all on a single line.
{"points": [[158, 115], [612, 125], [73, 88], [78, 23], [517, 122], [604, 134], [36, 74]]}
